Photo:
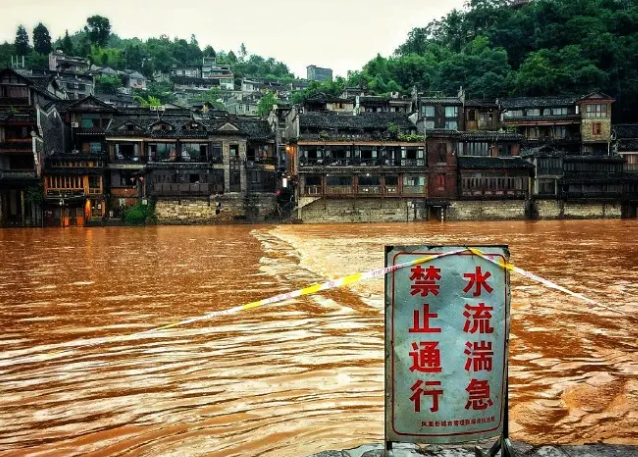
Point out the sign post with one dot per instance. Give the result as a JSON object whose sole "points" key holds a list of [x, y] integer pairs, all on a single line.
{"points": [[446, 340]]}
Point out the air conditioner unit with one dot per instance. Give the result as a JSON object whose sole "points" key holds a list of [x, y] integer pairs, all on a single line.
{"points": [[153, 108], [75, 125], [75, 151]]}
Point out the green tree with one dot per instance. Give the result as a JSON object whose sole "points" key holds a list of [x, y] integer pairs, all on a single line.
{"points": [[133, 56], [243, 52], [22, 41], [107, 84], [148, 102], [41, 39], [211, 96], [231, 57], [264, 107], [209, 51], [67, 44], [98, 29], [162, 91]]}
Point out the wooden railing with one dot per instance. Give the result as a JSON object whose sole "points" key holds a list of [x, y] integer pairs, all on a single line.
{"points": [[372, 190], [338, 190], [413, 189]]}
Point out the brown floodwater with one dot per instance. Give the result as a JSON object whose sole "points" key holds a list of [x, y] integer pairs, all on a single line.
{"points": [[297, 377]]}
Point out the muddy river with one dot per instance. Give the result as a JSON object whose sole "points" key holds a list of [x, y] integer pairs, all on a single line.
{"points": [[297, 377]]}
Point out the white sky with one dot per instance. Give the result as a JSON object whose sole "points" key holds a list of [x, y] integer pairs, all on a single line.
{"points": [[339, 34]]}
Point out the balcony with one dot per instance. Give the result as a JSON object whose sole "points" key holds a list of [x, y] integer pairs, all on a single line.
{"points": [[130, 160], [532, 120], [69, 193], [14, 101], [18, 175], [413, 189], [574, 138], [370, 190], [493, 193], [338, 190], [186, 190], [356, 162], [19, 145]]}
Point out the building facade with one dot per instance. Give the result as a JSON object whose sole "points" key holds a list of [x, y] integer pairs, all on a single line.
{"points": [[315, 73]]}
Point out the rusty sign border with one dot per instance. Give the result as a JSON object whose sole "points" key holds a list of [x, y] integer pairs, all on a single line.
{"points": [[503, 425]]}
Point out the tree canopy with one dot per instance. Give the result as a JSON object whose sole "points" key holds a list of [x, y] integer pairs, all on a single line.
{"points": [[22, 41], [41, 39], [98, 29], [546, 47]]}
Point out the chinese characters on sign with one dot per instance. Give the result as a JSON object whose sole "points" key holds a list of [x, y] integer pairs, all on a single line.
{"points": [[447, 325]]}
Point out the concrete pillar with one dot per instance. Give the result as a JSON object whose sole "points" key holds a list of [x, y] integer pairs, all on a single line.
{"points": [[243, 178], [22, 208], [226, 162]]}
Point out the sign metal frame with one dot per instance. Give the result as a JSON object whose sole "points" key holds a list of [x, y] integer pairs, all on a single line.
{"points": [[503, 443]]}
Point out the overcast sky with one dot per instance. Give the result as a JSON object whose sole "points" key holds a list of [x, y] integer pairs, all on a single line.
{"points": [[340, 34]]}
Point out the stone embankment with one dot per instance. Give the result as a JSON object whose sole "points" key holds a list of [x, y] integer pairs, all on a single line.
{"points": [[521, 449]]}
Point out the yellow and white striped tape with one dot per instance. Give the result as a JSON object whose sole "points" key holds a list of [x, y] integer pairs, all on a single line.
{"points": [[344, 281]]}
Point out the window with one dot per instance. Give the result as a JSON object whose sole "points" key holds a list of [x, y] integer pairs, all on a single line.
{"points": [[163, 152], [480, 149], [126, 178], [428, 111], [429, 124], [471, 115], [514, 113], [451, 125], [391, 180], [546, 186], [94, 182], [534, 112], [441, 152], [339, 180], [365, 180], [595, 111], [451, 111], [596, 128], [560, 131], [559, 111], [440, 180], [234, 150], [414, 180]]}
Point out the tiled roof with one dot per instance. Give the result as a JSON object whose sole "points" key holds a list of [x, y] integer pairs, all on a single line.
{"points": [[193, 80], [625, 130], [144, 119], [493, 163], [350, 122], [255, 128], [543, 151], [320, 97], [539, 102], [593, 158], [441, 100], [481, 103]]}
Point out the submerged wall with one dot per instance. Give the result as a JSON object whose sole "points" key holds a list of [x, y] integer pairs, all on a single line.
{"points": [[352, 210], [221, 209]]}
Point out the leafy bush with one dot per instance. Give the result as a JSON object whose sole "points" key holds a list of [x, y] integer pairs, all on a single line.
{"points": [[140, 214], [134, 217]]}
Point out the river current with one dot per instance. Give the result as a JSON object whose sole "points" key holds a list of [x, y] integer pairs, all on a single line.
{"points": [[297, 377]]}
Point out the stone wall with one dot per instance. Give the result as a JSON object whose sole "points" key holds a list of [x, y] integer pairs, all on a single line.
{"points": [[558, 209], [351, 210], [232, 209], [486, 210]]}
